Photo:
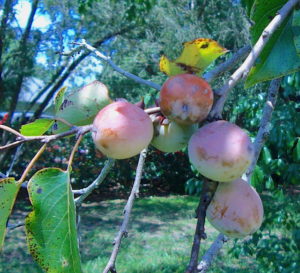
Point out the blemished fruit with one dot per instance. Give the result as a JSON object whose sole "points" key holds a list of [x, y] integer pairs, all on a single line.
{"points": [[220, 151], [122, 130], [236, 209], [186, 99], [172, 137], [81, 107]]}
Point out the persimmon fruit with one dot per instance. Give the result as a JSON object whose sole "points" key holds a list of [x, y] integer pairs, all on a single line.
{"points": [[186, 99], [220, 151], [236, 209], [122, 130]]}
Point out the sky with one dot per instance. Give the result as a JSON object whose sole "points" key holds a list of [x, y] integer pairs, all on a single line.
{"points": [[42, 22], [23, 9]]}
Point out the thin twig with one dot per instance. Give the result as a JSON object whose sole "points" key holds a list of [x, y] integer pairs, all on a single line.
{"points": [[75, 148], [207, 193], [87, 191], [153, 110], [80, 130], [116, 68], [265, 126], [32, 162], [210, 76], [244, 69], [260, 139], [11, 130], [110, 267]]}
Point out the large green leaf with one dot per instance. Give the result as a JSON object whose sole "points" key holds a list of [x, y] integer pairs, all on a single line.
{"points": [[262, 13], [296, 29], [51, 227], [9, 189], [279, 61], [81, 107], [272, 63], [36, 128]]}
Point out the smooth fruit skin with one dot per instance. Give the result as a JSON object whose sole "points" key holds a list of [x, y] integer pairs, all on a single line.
{"points": [[236, 209], [186, 99], [172, 137], [122, 130], [220, 151]]}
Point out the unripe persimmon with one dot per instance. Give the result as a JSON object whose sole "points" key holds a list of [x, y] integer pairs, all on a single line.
{"points": [[122, 130], [186, 99], [172, 137], [236, 209], [220, 151]]}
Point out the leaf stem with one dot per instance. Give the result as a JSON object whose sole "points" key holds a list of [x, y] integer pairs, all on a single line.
{"points": [[32, 162], [75, 148]]}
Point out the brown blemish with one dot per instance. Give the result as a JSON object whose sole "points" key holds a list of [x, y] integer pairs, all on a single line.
{"points": [[107, 132], [203, 154], [227, 163], [223, 211], [240, 221]]}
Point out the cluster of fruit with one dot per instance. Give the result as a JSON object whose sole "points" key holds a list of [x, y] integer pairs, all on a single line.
{"points": [[220, 151]]}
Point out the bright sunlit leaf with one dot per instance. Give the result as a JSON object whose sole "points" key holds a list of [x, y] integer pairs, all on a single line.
{"points": [[36, 128], [195, 57]]}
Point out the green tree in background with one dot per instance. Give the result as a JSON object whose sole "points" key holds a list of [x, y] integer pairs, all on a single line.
{"points": [[133, 35]]}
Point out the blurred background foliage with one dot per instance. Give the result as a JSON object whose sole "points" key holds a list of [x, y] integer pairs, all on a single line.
{"points": [[135, 34]]}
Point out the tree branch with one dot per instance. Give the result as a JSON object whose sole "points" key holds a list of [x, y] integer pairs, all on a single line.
{"points": [[211, 253], [88, 190], [110, 267], [208, 190], [264, 127], [227, 65], [116, 68], [244, 69], [80, 130]]}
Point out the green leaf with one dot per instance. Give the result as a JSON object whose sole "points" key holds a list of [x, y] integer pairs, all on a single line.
{"points": [[266, 156], [296, 29], [296, 151], [270, 183], [51, 227], [36, 128], [9, 189], [271, 64], [257, 178], [59, 98], [81, 107]]}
